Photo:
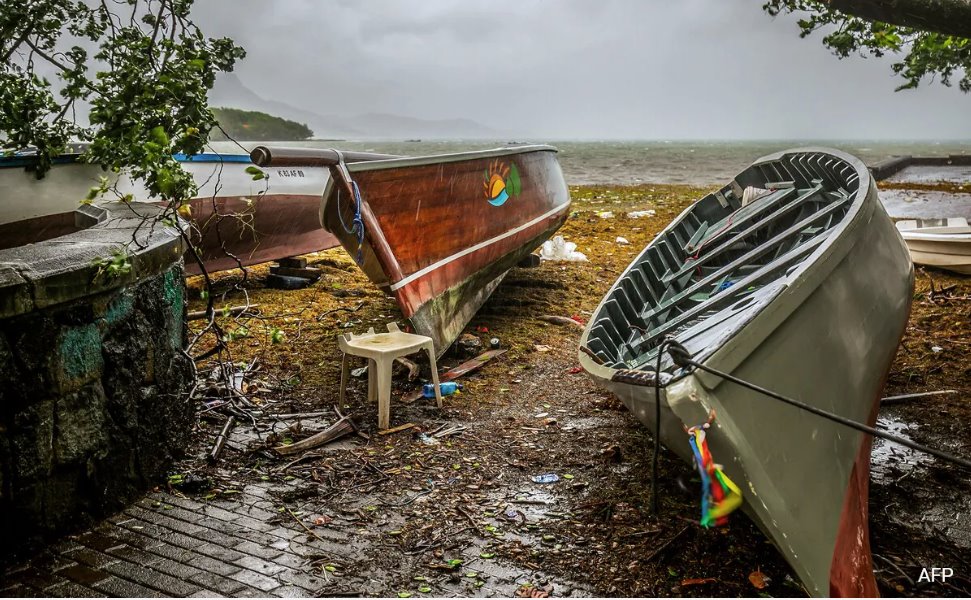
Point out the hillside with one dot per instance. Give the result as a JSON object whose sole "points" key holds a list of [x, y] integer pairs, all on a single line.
{"points": [[257, 126], [230, 91]]}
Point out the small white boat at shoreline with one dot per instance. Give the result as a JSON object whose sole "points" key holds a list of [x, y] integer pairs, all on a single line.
{"points": [[940, 243]]}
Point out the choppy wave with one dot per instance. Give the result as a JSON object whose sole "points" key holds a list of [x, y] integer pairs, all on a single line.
{"points": [[633, 162]]}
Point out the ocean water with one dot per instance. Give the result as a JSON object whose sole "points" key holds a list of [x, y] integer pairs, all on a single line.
{"points": [[633, 162]]}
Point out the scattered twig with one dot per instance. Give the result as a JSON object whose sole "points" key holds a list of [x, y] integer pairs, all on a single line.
{"points": [[225, 312], [664, 546], [558, 320], [469, 517], [396, 429], [896, 568], [641, 533], [341, 308], [306, 415], [445, 432], [307, 456], [304, 525], [339, 429], [221, 439], [905, 397]]}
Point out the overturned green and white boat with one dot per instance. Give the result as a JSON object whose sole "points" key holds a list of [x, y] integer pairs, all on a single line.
{"points": [[791, 277]]}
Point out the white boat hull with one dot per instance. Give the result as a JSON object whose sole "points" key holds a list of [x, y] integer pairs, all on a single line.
{"points": [[827, 339], [278, 216], [951, 252]]}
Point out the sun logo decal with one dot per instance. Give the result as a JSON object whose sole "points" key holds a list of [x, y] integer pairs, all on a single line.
{"points": [[501, 182]]}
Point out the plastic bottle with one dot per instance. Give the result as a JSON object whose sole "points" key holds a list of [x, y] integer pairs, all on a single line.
{"points": [[447, 389]]}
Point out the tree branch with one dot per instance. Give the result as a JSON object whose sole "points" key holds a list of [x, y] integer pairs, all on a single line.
{"points": [[948, 17], [17, 43]]}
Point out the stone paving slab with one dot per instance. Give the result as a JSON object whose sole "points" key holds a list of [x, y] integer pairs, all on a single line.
{"points": [[166, 545]]}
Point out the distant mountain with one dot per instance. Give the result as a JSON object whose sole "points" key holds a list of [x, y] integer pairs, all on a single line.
{"points": [[230, 91]]}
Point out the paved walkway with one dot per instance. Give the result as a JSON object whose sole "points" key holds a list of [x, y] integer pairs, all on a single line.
{"points": [[167, 545]]}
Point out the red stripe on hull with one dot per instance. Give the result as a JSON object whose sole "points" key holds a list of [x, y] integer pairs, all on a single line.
{"points": [[851, 570]]}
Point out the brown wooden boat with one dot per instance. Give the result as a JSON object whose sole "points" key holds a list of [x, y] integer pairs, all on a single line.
{"points": [[438, 232]]}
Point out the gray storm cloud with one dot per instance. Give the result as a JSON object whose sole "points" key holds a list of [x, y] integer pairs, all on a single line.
{"points": [[693, 69]]}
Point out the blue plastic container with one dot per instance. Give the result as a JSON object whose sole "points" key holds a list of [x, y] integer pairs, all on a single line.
{"points": [[447, 389]]}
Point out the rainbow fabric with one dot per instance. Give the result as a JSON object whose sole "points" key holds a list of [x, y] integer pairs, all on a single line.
{"points": [[719, 494]]}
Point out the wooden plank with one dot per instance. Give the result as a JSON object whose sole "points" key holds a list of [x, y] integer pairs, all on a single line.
{"points": [[453, 374]]}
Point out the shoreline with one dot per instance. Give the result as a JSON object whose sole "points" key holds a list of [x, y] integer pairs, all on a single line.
{"points": [[393, 516]]}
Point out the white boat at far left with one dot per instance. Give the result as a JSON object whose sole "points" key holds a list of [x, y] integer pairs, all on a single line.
{"points": [[238, 221]]}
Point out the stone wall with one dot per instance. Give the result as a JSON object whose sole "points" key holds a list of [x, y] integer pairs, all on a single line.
{"points": [[92, 400]]}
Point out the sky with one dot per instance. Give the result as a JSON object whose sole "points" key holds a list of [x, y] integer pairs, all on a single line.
{"points": [[577, 69]]}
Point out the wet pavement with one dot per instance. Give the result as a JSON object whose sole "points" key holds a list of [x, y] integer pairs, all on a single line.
{"points": [[932, 174], [171, 545], [926, 204]]}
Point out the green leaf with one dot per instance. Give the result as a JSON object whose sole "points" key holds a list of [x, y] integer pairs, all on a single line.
{"points": [[513, 182], [424, 589], [158, 135]]}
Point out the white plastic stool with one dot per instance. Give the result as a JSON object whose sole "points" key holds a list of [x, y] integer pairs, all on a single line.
{"points": [[381, 349]]}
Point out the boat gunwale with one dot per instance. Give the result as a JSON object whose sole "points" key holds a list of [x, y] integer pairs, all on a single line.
{"points": [[449, 157]]}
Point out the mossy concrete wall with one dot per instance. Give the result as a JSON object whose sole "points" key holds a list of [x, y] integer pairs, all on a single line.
{"points": [[92, 393]]}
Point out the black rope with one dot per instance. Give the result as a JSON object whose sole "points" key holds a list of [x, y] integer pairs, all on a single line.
{"points": [[682, 358]]}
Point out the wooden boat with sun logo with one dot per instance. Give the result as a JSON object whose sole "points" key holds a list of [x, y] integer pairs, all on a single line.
{"points": [[438, 232]]}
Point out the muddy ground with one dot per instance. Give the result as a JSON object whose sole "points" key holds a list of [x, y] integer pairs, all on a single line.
{"points": [[451, 518]]}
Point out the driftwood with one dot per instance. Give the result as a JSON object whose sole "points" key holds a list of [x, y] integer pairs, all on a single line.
{"points": [[558, 320], [342, 427], [396, 429], [201, 314], [220, 444], [905, 397], [304, 415], [447, 430]]}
